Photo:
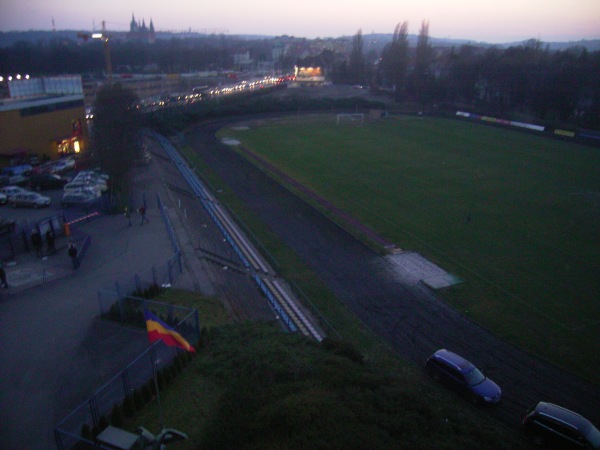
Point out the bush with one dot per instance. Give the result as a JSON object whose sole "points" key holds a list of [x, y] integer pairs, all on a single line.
{"points": [[86, 432], [128, 407], [116, 416], [147, 392], [343, 348], [138, 400]]}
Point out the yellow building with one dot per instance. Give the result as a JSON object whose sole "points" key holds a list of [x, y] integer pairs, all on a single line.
{"points": [[48, 125]]}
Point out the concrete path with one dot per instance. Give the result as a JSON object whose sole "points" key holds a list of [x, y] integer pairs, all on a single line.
{"points": [[54, 351]]}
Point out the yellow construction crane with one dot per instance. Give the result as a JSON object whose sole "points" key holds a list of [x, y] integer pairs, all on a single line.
{"points": [[104, 37]]}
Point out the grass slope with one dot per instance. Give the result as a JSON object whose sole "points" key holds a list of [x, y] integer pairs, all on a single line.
{"points": [[529, 252], [252, 386]]}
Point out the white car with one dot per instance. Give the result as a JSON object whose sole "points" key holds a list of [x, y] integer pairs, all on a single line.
{"points": [[78, 184], [63, 164], [91, 181], [85, 190], [31, 200], [77, 198], [9, 191]]}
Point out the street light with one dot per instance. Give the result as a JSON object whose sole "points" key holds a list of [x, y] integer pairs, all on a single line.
{"points": [[104, 38]]}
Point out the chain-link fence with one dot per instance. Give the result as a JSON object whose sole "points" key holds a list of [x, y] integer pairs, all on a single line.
{"points": [[123, 302], [144, 374]]}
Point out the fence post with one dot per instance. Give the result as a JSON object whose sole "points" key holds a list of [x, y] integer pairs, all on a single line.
{"points": [[100, 302], [94, 410], [138, 283], [58, 440], [197, 322], [126, 384]]}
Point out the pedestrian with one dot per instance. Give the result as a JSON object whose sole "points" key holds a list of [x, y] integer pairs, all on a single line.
{"points": [[50, 239], [73, 255], [3, 278], [36, 241], [128, 216], [142, 211]]}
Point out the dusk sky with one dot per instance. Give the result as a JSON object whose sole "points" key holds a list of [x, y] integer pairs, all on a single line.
{"points": [[478, 20]]}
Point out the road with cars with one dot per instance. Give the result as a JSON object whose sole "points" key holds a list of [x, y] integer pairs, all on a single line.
{"points": [[398, 308]]}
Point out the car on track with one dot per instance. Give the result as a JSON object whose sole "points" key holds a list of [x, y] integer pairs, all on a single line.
{"points": [[79, 198], [458, 373], [29, 200], [553, 426], [46, 181]]}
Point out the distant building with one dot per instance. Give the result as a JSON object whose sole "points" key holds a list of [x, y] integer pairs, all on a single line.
{"points": [[139, 32], [44, 117], [308, 76]]}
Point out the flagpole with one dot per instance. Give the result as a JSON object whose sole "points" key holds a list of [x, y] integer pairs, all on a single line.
{"points": [[154, 370]]}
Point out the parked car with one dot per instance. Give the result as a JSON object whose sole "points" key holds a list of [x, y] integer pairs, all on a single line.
{"points": [[553, 426], [80, 184], [77, 198], [94, 173], [30, 200], [9, 191], [46, 181], [7, 226], [47, 167], [92, 179], [463, 376], [64, 164]]}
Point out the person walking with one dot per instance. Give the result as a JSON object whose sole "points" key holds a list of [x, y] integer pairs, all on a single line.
{"points": [[142, 211], [3, 278], [50, 240], [127, 214], [36, 241], [73, 255]]}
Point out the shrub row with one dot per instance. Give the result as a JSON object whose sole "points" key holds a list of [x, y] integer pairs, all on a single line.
{"points": [[139, 398]]}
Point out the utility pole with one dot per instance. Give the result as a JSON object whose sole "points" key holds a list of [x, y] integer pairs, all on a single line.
{"points": [[104, 37]]}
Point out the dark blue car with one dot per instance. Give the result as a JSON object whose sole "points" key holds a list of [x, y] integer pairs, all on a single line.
{"points": [[463, 376]]}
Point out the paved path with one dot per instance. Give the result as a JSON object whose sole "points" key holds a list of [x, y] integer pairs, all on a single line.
{"points": [[54, 352]]}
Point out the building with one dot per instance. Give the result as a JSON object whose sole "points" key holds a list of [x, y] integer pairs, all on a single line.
{"points": [[44, 117], [139, 32]]}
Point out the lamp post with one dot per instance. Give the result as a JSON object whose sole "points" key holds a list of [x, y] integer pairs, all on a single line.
{"points": [[104, 37]]}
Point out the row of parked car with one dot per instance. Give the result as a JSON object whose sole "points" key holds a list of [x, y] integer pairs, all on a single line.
{"points": [[84, 188], [549, 425]]}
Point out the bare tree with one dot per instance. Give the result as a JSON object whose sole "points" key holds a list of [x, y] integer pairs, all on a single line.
{"points": [[394, 60], [357, 59], [422, 76]]}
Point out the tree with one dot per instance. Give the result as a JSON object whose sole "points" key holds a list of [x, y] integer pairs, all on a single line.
{"points": [[116, 134], [357, 60], [422, 76], [394, 60]]}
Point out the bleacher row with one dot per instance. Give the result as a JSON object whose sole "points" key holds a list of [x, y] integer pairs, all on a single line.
{"points": [[280, 301]]}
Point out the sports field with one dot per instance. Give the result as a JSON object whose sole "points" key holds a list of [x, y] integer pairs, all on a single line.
{"points": [[515, 215]]}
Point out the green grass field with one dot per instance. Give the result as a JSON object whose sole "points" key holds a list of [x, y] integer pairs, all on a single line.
{"points": [[530, 253]]}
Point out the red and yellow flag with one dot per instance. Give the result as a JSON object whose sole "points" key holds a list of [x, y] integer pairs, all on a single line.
{"points": [[158, 330]]}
